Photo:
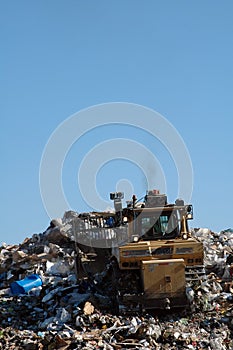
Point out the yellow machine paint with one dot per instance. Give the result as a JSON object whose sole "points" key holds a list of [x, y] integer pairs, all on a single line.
{"points": [[189, 250], [163, 278]]}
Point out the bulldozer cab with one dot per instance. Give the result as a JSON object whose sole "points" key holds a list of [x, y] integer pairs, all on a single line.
{"points": [[153, 225], [155, 219], [159, 223]]}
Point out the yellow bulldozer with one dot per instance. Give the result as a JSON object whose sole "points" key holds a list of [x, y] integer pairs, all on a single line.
{"points": [[146, 249]]}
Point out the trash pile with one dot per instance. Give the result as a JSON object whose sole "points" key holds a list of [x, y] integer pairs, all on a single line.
{"points": [[218, 251], [44, 306]]}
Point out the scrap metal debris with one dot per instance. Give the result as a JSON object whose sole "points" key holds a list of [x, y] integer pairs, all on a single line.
{"points": [[65, 313]]}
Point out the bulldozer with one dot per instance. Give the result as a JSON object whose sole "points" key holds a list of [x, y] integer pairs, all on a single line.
{"points": [[146, 249]]}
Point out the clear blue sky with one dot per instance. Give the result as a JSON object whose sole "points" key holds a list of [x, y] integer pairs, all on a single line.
{"points": [[59, 57]]}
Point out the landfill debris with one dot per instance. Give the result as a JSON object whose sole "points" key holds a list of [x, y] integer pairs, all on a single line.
{"points": [[65, 313]]}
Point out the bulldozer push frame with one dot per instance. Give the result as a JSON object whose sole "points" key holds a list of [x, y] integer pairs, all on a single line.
{"points": [[145, 251]]}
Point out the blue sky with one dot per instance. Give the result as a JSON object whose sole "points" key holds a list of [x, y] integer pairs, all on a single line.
{"points": [[60, 57]]}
